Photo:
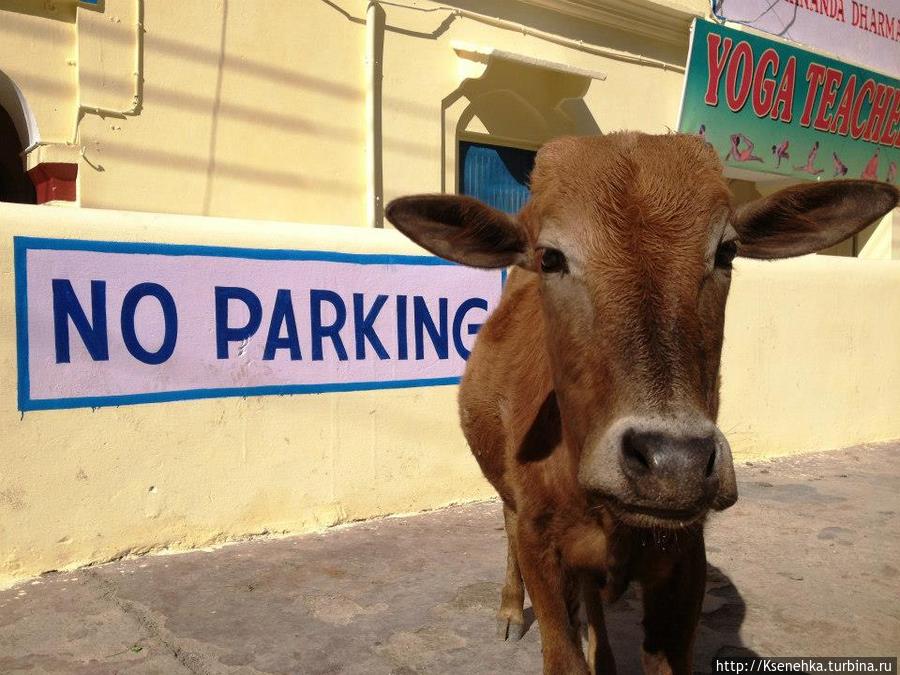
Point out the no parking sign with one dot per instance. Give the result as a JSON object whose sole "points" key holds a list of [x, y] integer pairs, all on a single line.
{"points": [[114, 323]]}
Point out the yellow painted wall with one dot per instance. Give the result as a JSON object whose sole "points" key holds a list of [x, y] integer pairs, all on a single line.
{"points": [[249, 110], [810, 362], [38, 52], [260, 111], [881, 241]]}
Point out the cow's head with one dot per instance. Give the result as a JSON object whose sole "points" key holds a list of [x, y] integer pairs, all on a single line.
{"points": [[633, 237]]}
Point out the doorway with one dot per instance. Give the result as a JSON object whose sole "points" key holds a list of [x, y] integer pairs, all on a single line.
{"points": [[15, 186]]}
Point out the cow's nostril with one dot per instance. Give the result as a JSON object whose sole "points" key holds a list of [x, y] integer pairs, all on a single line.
{"points": [[634, 451], [711, 463]]}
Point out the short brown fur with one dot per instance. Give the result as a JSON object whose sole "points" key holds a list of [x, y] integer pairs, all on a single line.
{"points": [[633, 331]]}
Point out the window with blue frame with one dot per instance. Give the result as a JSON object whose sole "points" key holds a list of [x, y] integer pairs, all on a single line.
{"points": [[497, 175]]}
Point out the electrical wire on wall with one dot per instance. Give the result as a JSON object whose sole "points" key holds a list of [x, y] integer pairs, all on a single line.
{"points": [[715, 7]]}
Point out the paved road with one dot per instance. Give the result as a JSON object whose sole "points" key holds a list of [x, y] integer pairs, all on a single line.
{"points": [[805, 564]]}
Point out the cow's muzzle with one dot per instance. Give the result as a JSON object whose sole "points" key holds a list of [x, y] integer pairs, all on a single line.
{"points": [[661, 472]]}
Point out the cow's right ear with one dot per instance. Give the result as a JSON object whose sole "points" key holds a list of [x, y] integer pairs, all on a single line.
{"points": [[461, 229], [808, 217]]}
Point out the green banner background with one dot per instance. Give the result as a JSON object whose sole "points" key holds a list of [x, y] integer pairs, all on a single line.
{"points": [[721, 123]]}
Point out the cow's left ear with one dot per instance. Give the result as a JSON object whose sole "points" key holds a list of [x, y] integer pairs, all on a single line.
{"points": [[809, 217], [461, 229]]}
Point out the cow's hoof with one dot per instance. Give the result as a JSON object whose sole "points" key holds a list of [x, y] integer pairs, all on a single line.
{"points": [[508, 630]]}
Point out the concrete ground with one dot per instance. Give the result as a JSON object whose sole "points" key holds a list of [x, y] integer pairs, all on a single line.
{"points": [[805, 564]]}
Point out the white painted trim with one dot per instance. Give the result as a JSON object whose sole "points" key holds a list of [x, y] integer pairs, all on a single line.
{"points": [[483, 54], [13, 101]]}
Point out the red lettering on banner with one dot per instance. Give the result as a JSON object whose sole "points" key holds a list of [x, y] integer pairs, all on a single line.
{"points": [[833, 9], [875, 21], [840, 123], [764, 87], [815, 74], [833, 79], [736, 93], [716, 65], [878, 112], [888, 133], [856, 126], [785, 99]]}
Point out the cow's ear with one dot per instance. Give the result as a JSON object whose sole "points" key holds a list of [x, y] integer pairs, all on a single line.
{"points": [[461, 229], [809, 217]]}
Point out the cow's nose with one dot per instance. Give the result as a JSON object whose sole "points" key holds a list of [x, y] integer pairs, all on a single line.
{"points": [[671, 472]]}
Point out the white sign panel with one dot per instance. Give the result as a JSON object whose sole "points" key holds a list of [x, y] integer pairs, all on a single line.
{"points": [[864, 33], [109, 323]]}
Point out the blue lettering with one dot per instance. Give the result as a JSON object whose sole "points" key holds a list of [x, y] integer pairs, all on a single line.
{"points": [[422, 320], [282, 314], [225, 334], [320, 332], [402, 349], [170, 319], [66, 306], [364, 326], [471, 329]]}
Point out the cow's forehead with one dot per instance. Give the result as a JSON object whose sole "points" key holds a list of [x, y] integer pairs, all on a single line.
{"points": [[669, 177]]}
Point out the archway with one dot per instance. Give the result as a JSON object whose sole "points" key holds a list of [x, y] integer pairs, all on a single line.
{"points": [[18, 132], [15, 185]]}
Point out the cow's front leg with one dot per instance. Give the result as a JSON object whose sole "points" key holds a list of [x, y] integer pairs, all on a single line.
{"points": [[672, 604], [600, 655], [511, 617], [545, 579]]}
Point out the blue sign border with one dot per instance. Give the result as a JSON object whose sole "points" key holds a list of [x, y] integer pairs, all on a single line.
{"points": [[22, 244]]}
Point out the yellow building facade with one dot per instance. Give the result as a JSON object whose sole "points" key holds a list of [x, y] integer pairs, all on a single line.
{"points": [[318, 111], [290, 124]]}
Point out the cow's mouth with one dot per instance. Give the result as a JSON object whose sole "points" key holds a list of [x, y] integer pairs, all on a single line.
{"points": [[653, 516]]}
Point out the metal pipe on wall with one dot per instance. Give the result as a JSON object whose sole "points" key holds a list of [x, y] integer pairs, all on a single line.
{"points": [[375, 23]]}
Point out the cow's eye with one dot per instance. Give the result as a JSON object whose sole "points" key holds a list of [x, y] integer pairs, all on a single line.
{"points": [[725, 254], [552, 261]]}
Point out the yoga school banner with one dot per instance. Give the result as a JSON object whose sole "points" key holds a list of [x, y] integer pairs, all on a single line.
{"points": [[770, 107], [114, 323]]}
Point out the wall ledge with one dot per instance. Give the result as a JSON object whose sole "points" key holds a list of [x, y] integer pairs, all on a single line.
{"points": [[664, 21]]}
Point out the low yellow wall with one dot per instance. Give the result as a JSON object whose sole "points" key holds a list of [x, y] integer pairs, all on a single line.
{"points": [[810, 363], [811, 359], [78, 486]]}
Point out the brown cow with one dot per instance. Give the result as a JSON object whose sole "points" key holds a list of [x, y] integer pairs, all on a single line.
{"points": [[591, 395]]}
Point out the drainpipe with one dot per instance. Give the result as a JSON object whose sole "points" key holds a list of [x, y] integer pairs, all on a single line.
{"points": [[375, 22], [53, 165], [137, 99]]}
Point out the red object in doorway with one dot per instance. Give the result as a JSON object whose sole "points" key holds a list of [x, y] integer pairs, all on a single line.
{"points": [[54, 181]]}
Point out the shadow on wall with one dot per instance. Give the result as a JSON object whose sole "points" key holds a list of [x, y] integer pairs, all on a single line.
{"points": [[551, 21], [516, 100], [513, 104], [60, 11]]}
